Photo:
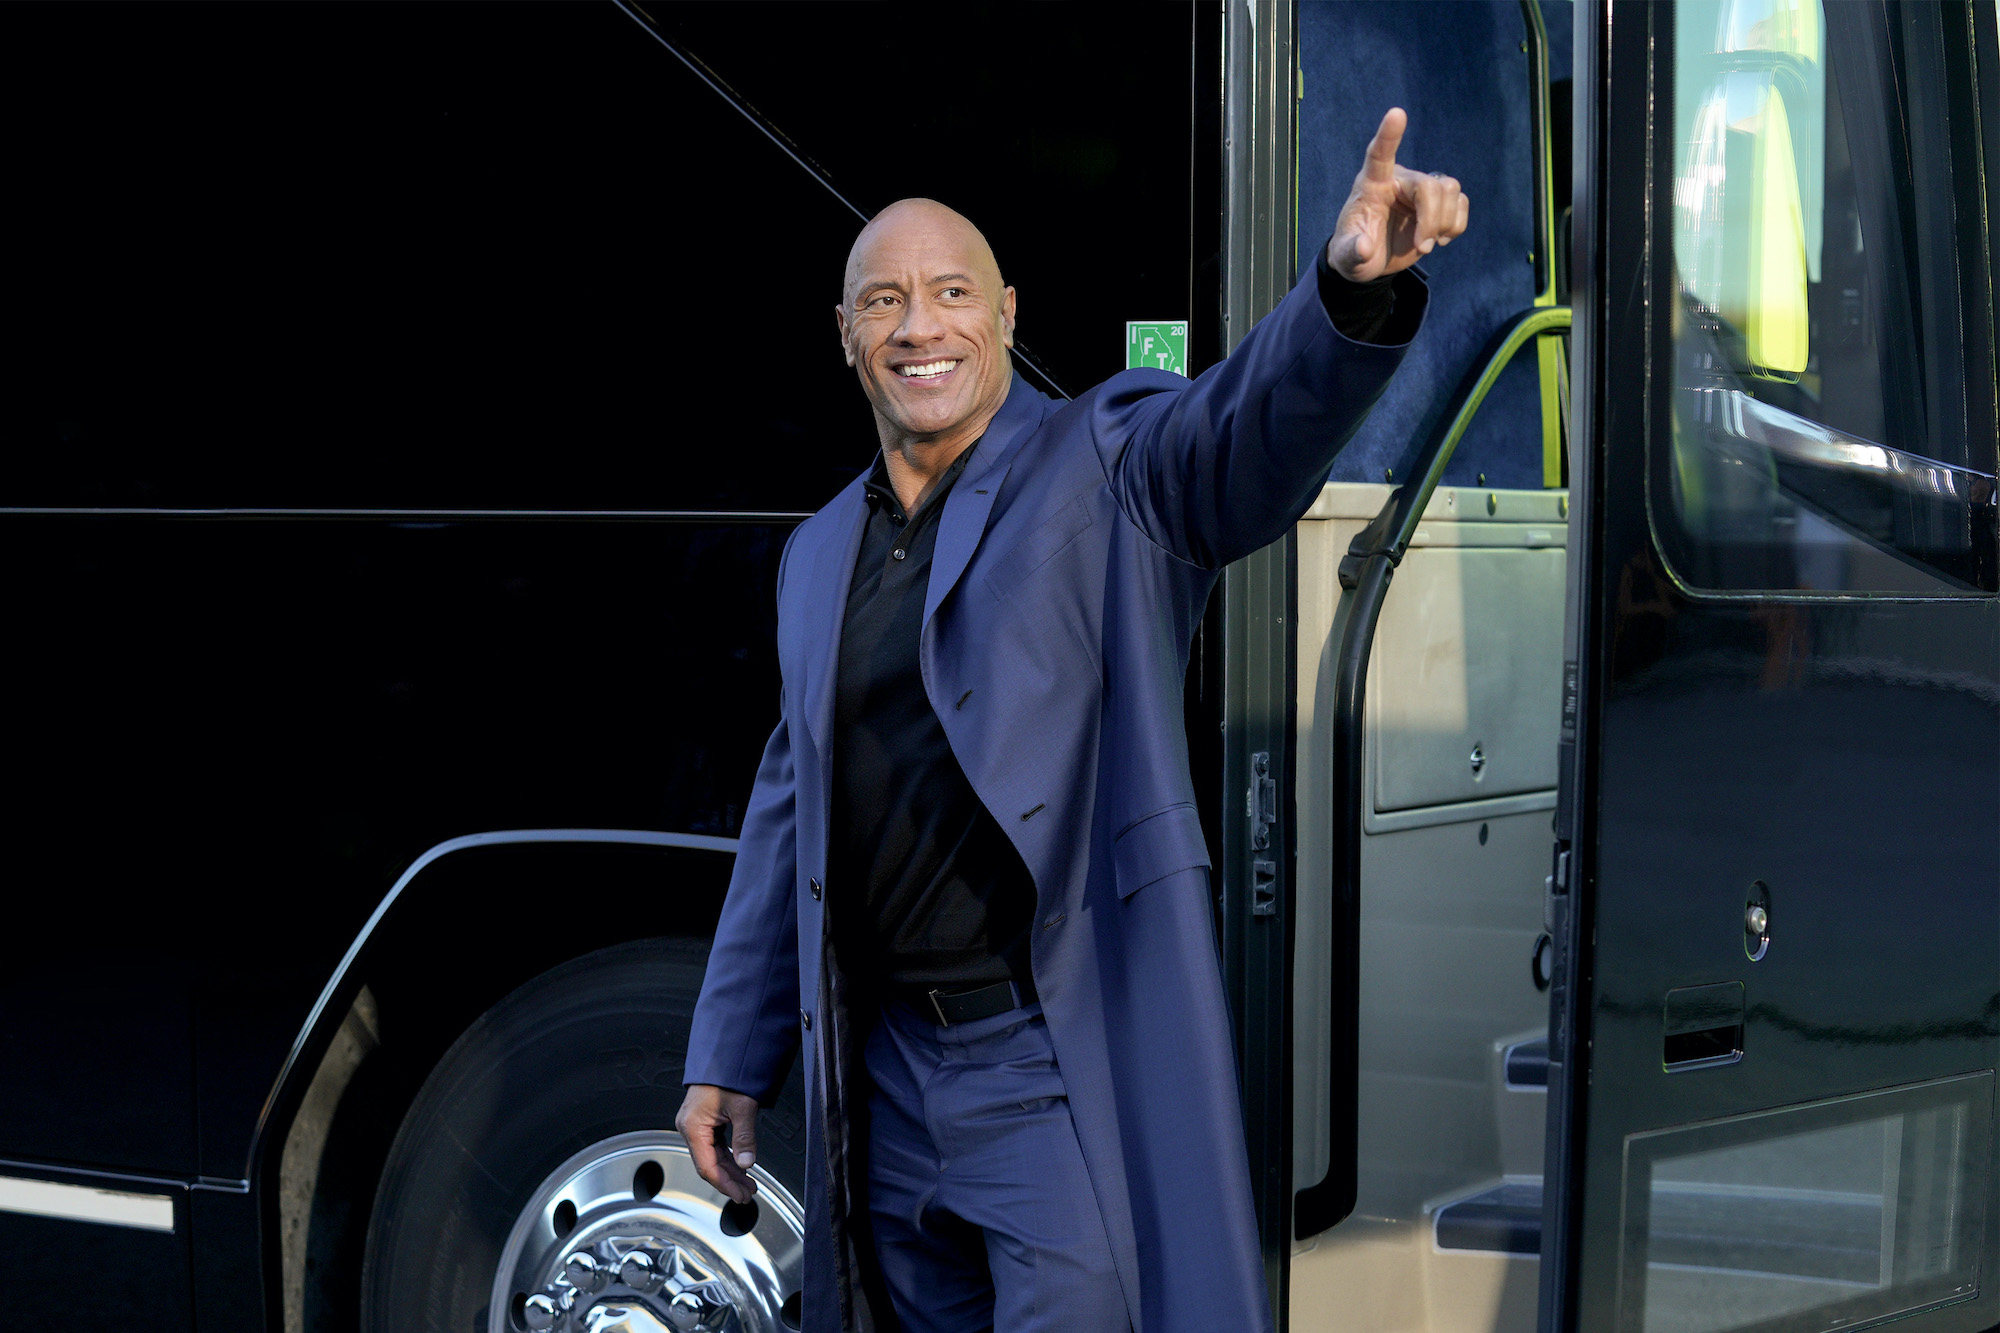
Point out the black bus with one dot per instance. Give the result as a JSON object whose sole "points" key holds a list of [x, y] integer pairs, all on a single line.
{"points": [[407, 407]]}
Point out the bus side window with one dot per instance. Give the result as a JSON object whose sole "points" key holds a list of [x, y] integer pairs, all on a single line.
{"points": [[1817, 437], [517, 260]]}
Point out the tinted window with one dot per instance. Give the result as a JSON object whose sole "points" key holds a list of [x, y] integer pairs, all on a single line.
{"points": [[1811, 1218], [518, 256], [415, 256], [1082, 139], [1823, 433]]}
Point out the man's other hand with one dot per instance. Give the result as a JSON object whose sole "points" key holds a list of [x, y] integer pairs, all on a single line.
{"points": [[1394, 216], [707, 1109]]}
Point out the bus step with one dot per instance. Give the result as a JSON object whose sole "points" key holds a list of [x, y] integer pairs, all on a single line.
{"points": [[1527, 1065], [1505, 1219]]}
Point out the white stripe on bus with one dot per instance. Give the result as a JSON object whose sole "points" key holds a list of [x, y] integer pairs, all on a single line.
{"points": [[86, 1203]]}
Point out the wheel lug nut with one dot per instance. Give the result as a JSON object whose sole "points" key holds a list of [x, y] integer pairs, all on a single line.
{"points": [[583, 1272], [539, 1313], [639, 1272], [687, 1311]]}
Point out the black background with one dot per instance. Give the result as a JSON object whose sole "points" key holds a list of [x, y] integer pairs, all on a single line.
{"points": [[470, 256]]}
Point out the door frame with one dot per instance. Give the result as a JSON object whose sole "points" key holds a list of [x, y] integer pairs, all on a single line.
{"points": [[1255, 619]]}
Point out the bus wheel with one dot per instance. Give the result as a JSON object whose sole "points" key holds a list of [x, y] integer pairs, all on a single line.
{"points": [[536, 1182]]}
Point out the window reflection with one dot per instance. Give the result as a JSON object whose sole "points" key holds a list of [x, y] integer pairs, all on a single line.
{"points": [[1817, 436], [1811, 1219]]}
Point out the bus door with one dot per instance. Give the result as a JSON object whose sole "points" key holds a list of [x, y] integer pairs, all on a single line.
{"points": [[1426, 708], [1773, 898]]}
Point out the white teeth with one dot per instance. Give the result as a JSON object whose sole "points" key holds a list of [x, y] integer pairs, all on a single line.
{"points": [[927, 371]]}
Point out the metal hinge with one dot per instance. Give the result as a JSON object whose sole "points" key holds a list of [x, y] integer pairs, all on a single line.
{"points": [[1261, 804]]}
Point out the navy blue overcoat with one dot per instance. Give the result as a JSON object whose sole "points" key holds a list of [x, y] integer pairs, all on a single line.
{"points": [[1074, 557]]}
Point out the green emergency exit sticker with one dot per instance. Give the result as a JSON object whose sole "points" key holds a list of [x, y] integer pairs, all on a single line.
{"points": [[1156, 345]]}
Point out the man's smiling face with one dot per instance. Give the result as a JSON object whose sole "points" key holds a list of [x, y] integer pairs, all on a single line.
{"points": [[926, 323]]}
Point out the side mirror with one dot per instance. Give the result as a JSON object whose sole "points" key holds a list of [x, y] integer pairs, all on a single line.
{"points": [[1748, 189], [1763, 288]]}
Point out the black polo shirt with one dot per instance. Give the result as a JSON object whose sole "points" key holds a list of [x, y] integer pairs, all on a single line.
{"points": [[923, 888]]}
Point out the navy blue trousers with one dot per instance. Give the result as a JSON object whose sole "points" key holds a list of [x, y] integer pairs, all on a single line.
{"points": [[982, 1210]]}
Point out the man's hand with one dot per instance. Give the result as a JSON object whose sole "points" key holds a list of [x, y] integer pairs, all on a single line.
{"points": [[707, 1109], [1394, 216]]}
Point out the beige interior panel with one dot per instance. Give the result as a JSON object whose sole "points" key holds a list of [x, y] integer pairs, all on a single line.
{"points": [[1465, 684], [1468, 652], [1447, 924], [1448, 921]]}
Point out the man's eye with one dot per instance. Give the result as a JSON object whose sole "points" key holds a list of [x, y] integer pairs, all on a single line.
{"points": [[954, 291], [883, 300]]}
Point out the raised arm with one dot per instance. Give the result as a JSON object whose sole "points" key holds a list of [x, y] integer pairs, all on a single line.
{"points": [[1215, 469]]}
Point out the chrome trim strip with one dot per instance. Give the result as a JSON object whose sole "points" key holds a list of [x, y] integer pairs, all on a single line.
{"points": [[1801, 440], [634, 837], [35, 1169], [86, 1203]]}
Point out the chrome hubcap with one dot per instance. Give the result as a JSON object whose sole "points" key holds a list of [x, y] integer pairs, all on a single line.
{"points": [[625, 1237]]}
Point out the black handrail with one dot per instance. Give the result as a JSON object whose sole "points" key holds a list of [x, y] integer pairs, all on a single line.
{"points": [[1367, 568]]}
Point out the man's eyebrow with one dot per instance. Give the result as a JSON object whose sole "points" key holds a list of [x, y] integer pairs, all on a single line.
{"points": [[867, 285]]}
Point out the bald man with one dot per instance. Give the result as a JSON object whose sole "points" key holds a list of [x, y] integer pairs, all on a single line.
{"points": [[971, 878]]}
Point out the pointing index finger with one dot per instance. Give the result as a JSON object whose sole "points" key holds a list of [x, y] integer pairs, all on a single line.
{"points": [[1381, 162]]}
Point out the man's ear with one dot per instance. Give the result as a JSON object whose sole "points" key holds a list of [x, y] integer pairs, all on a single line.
{"points": [[1007, 315], [840, 318]]}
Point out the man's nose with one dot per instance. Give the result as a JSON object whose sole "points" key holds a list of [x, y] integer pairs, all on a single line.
{"points": [[920, 324]]}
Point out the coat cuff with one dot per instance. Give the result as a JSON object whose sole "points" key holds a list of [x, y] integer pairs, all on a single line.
{"points": [[1383, 312]]}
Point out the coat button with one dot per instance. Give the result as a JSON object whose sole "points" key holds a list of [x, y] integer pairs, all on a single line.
{"points": [[806, 1019], [813, 884]]}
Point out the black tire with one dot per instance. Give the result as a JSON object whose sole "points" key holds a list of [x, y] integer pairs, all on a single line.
{"points": [[591, 1049]]}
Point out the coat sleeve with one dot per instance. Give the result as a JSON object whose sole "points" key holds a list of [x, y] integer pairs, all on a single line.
{"points": [[746, 1024], [1215, 469]]}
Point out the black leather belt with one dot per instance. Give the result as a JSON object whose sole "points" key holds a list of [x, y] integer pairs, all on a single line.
{"points": [[966, 1005]]}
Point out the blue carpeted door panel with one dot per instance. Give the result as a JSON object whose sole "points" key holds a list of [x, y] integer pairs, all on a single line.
{"points": [[1459, 70]]}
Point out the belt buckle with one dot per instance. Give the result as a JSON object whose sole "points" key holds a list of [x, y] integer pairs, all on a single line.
{"points": [[936, 998]]}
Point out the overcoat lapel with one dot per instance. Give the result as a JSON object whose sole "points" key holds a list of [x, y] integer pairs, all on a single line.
{"points": [[970, 503], [960, 527], [825, 609]]}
